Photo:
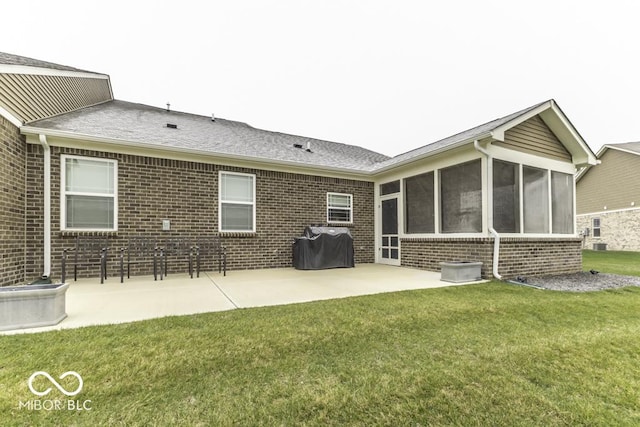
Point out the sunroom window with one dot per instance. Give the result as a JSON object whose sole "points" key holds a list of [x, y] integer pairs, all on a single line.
{"points": [[418, 204], [535, 200], [506, 197], [88, 193], [461, 198], [237, 199], [561, 203]]}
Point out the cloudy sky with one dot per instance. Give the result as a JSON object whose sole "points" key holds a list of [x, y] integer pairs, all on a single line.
{"points": [[386, 75]]}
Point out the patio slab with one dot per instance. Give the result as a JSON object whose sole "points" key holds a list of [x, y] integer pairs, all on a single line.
{"points": [[139, 298]]}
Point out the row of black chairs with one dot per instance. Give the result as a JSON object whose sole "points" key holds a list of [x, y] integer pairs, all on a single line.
{"points": [[92, 251]]}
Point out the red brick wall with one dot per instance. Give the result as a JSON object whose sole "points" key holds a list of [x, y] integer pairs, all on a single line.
{"points": [[518, 256], [12, 204], [186, 193]]}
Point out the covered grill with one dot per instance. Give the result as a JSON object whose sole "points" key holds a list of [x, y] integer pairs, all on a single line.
{"points": [[323, 247]]}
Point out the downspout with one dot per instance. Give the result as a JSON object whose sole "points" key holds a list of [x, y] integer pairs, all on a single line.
{"points": [[494, 233], [47, 207]]}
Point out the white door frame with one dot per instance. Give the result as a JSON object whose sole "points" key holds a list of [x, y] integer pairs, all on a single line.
{"points": [[388, 245]]}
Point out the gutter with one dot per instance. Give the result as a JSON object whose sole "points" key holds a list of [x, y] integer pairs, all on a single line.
{"points": [[494, 233], [47, 206]]}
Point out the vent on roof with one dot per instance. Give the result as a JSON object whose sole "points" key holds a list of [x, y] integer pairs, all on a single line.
{"points": [[297, 145], [172, 126], [213, 117]]}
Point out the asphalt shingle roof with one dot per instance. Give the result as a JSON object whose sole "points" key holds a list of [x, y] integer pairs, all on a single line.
{"points": [[466, 136], [9, 59], [129, 122], [138, 123]]}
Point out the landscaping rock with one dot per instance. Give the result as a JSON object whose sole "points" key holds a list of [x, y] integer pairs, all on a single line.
{"points": [[584, 281]]}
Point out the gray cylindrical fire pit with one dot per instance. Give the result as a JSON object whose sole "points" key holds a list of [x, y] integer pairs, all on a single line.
{"points": [[460, 271]]}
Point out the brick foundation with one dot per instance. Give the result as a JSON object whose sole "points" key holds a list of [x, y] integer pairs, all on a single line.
{"points": [[518, 256]]}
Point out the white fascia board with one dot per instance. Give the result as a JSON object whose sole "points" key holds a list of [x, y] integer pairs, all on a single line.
{"points": [[13, 119], [39, 71], [613, 147], [608, 211], [561, 127], [112, 145], [499, 131], [501, 153], [569, 136]]}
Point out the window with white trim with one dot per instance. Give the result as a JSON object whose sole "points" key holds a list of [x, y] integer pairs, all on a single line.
{"points": [[339, 208], [88, 193], [237, 202], [596, 227]]}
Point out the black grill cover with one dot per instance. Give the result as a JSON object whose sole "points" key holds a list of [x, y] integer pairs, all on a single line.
{"points": [[323, 247]]}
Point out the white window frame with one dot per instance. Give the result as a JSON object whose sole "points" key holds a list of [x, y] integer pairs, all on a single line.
{"points": [[593, 227], [349, 209], [221, 202], [64, 192]]}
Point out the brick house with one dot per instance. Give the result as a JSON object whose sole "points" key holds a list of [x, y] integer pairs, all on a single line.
{"points": [[608, 199], [76, 161]]}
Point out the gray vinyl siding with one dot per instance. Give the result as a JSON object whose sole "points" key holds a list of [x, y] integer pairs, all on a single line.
{"points": [[32, 97], [615, 183], [534, 137]]}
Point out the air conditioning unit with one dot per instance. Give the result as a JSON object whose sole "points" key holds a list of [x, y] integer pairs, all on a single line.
{"points": [[599, 246]]}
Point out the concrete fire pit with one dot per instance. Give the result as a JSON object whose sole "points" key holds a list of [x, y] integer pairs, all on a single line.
{"points": [[32, 306]]}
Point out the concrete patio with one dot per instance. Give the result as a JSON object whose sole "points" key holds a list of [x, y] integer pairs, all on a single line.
{"points": [[91, 303]]}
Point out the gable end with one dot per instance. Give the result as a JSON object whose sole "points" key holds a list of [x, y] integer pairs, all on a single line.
{"points": [[32, 97], [534, 137]]}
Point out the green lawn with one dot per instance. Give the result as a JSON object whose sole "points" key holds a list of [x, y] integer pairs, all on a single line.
{"points": [[616, 262], [488, 355]]}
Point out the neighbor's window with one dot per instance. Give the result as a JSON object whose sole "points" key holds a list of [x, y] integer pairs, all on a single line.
{"points": [[237, 202], [596, 227], [88, 193], [536, 200], [461, 198], [418, 204], [506, 197], [339, 208], [561, 203]]}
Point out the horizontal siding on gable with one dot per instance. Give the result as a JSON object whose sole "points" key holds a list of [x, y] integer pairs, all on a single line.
{"points": [[33, 97], [534, 136], [615, 183]]}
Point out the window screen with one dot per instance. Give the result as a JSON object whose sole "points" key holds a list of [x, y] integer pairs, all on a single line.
{"points": [[536, 200], [418, 204], [506, 197], [561, 203], [461, 198]]}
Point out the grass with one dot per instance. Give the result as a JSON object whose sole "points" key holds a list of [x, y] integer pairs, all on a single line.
{"points": [[489, 354], [616, 262]]}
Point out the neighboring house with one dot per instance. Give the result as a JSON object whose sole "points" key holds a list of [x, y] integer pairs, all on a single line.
{"points": [[608, 199], [75, 161]]}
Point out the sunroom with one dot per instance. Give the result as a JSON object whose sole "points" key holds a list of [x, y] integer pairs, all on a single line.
{"points": [[502, 193]]}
